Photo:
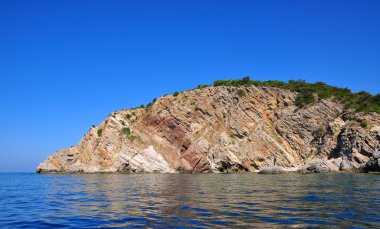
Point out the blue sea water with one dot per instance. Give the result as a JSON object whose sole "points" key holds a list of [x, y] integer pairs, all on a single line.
{"points": [[190, 201]]}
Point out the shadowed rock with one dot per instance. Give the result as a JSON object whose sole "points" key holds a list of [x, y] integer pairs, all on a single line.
{"points": [[373, 165]]}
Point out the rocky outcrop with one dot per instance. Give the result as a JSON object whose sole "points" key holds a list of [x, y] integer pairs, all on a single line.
{"points": [[373, 165], [221, 129], [273, 170]]}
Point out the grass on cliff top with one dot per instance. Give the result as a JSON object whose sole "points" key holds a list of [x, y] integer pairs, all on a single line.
{"points": [[311, 92], [308, 93]]}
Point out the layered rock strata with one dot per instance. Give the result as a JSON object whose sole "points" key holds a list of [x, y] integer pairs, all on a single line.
{"points": [[224, 129]]}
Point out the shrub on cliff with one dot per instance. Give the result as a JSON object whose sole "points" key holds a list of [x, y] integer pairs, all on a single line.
{"points": [[304, 99], [310, 92], [100, 132], [203, 86], [126, 131], [148, 106], [241, 93], [245, 80]]}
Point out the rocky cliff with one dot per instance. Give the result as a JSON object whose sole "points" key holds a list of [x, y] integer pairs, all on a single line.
{"points": [[225, 129]]}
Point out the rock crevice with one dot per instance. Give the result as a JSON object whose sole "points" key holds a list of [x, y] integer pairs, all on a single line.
{"points": [[215, 130]]}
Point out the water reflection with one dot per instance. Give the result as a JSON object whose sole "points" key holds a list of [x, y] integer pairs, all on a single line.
{"points": [[193, 200]]}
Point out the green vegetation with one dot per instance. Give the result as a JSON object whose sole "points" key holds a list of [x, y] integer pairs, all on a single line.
{"points": [[148, 106], [245, 80], [100, 131], [123, 123], [364, 124], [132, 138], [241, 93], [311, 92], [142, 106], [203, 86], [175, 94], [304, 99], [128, 116], [126, 131], [154, 100]]}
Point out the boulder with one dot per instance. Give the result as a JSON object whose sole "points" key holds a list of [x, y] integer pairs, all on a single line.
{"points": [[314, 168], [273, 170]]}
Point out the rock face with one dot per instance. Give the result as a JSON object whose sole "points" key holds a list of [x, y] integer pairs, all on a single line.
{"points": [[373, 165], [221, 129]]}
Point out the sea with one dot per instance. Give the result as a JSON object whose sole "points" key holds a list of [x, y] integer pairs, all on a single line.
{"points": [[245, 200]]}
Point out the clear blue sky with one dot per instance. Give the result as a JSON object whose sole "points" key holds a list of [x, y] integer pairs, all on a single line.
{"points": [[65, 65]]}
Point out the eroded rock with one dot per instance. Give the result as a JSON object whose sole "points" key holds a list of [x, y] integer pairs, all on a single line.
{"points": [[215, 130], [373, 165]]}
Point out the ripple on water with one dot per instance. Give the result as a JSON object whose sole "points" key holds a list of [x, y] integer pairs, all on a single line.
{"points": [[189, 200]]}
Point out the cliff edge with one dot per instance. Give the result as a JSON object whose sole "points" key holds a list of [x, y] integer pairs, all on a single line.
{"points": [[225, 129]]}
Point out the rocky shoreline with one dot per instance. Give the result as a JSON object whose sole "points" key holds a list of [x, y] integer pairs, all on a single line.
{"points": [[224, 130]]}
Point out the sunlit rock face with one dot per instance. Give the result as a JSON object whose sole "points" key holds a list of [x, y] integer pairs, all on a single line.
{"points": [[220, 129]]}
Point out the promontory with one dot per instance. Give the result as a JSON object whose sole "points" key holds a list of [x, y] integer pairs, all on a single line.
{"points": [[234, 126]]}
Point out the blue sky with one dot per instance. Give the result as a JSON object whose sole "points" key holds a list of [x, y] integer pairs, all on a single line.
{"points": [[65, 65]]}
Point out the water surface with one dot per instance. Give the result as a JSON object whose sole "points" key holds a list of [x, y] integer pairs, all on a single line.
{"points": [[190, 200]]}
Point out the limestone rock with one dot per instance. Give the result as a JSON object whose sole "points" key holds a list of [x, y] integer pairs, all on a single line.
{"points": [[272, 170], [214, 129]]}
